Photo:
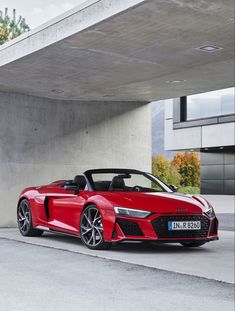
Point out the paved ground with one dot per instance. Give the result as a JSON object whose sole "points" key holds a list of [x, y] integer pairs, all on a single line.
{"points": [[47, 279], [224, 206], [226, 221], [58, 273], [221, 203], [215, 260]]}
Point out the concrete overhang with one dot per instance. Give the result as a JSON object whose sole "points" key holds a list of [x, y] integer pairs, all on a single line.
{"points": [[130, 50]]}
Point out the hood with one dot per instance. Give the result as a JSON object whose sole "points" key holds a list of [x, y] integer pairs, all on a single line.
{"points": [[164, 202]]}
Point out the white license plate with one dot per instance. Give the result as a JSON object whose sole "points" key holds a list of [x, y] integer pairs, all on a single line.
{"points": [[184, 225]]}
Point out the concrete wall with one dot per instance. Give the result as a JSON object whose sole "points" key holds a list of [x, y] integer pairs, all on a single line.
{"points": [[197, 137], [42, 140]]}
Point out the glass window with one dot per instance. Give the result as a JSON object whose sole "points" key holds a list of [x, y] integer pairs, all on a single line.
{"points": [[211, 104], [126, 181]]}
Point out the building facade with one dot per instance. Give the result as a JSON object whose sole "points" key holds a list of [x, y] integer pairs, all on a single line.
{"points": [[205, 123]]}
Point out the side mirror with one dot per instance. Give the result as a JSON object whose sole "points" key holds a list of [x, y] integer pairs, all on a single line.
{"points": [[72, 187], [174, 188]]}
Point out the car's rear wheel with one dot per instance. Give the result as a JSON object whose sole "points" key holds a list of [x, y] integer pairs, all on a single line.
{"points": [[91, 229], [24, 219], [192, 244]]}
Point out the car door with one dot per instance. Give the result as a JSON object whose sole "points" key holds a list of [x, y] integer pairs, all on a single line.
{"points": [[66, 209]]}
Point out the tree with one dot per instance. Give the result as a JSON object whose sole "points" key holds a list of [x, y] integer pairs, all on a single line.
{"points": [[161, 167], [163, 170], [188, 166], [11, 27]]}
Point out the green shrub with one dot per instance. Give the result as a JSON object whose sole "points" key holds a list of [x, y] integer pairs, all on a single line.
{"points": [[162, 169], [189, 190], [174, 177]]}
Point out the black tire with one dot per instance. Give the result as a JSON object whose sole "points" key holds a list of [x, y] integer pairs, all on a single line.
{"points": [[24, 220], [193, 244], [91, 229]]}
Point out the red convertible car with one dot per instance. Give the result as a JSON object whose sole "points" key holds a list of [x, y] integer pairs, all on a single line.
{"points": [[106, 206]]}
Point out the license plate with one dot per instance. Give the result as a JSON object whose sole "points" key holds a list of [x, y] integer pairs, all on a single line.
{"points": [[184, 225]]}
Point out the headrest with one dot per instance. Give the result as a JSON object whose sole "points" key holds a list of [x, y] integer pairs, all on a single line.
{"points": [[80, 181], [117, 183]]}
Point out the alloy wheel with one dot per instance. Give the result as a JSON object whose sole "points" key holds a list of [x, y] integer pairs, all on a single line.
{"points": [[24, 216], [91, 227]]}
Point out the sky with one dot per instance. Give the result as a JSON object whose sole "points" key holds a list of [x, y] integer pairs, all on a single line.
{"points": [[37, 12]]}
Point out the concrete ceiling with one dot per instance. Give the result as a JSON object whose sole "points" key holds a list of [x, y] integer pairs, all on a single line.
{"points": [[137, 51]]}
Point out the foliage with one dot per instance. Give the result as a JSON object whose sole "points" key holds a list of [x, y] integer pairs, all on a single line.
{"points": [[188, 166], [11, 27], [189, 190], [174, 177], [163, 169], [183, 171]]}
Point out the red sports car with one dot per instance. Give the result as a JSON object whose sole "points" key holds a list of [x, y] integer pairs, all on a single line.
{"points": [[106, 206]]}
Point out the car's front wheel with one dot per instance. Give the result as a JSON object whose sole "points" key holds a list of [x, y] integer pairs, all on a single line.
{"points": [[24, 219], [91, 229], [192, 244]]}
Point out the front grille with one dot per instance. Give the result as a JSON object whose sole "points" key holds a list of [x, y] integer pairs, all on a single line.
{"points": [[160, 226], [129, 227]]}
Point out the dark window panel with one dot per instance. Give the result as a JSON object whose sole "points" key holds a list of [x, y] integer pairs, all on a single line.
{"points": [[229, 171], [212, 187], [212, 158], [229, 157], [210, 172], [229, 187]]}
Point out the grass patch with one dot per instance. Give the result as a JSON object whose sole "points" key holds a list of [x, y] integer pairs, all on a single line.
{"points": [[189, 190]]}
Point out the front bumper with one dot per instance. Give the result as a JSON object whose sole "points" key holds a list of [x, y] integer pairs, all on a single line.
{"points": [[154, 228]]}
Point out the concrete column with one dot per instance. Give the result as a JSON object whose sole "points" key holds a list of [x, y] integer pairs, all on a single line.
{"points": [[42, 140]]}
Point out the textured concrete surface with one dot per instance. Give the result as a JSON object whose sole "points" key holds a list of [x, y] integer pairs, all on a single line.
{"points": [[124, 50], [45, 279], [43, 140], [214, 260]]}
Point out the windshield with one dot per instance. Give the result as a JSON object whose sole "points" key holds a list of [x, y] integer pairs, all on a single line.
{"points": [[126, 181]]}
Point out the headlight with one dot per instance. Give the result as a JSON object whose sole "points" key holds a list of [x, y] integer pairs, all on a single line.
{"points": [[210, 212], [129, 212]]}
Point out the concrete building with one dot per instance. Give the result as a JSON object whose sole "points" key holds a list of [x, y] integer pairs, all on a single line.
{"points": [[74, 92], [205, 123]]}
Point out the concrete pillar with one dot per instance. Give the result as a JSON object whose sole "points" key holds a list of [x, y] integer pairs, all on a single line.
{"points": [[42, 140]]}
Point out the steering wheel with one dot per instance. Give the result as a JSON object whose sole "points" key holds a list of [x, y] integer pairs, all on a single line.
{"points": [[136, 188]]}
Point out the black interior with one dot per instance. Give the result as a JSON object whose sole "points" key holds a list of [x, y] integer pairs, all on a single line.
{"points": [[102, 185], [118, 181], [80, 181], [117, 184]]}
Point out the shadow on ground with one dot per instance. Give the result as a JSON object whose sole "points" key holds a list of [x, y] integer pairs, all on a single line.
{"points": [[133, 246]]}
